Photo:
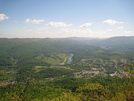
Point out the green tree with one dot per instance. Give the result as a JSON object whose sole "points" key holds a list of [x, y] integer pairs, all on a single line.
{"points": [[94, 92]]}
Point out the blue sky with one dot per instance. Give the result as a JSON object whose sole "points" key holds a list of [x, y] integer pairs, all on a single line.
{"points": [[66, 18]]}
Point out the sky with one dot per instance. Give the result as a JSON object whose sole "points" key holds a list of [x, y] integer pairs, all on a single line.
{"points": [[66, 18]]}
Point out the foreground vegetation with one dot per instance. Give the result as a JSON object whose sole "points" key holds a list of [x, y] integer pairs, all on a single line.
{"points": [[71, 89]]}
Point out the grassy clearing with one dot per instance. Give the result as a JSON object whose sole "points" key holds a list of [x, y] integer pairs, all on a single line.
{"points": [[54, 58], [39, 68]]}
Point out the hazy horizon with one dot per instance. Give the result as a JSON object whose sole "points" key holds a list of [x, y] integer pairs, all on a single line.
{"points": [[68, 18]]}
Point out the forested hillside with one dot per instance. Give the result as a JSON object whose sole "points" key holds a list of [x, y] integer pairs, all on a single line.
{"points": [[34, 69]]}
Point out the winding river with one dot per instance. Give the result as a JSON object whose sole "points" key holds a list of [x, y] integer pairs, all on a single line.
{"points": [[70, 59]]}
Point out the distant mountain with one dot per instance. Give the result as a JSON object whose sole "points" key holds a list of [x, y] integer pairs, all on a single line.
{"points": [[121, 43], [87, 40], [122, 39]]}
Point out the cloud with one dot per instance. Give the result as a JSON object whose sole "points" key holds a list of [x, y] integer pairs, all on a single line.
{"points": [[120, 28], [85, 25], [3, 17], [83, 33], [58, 24], [111, 22], [33, 21], [89, 30], [128, 31], [76, 32], [42, 28], [109, 29]]}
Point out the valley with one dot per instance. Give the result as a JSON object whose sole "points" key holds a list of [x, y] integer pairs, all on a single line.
{"points": [[54, 68]]}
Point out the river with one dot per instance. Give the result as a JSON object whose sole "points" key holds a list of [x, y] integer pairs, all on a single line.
{"points": [[70, 59]]}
